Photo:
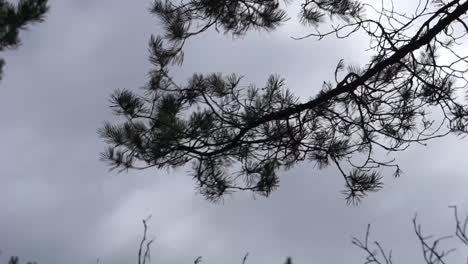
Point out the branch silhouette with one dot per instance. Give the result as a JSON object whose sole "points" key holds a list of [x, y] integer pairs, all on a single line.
{"points": [[238, 137]]}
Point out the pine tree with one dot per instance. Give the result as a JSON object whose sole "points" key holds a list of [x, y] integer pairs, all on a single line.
{"points": [[14, 18], [238, 138]]}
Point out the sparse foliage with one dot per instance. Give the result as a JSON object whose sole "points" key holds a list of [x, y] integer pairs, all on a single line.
{"points": [[145, 245], [238, 137], [431, 248], [15, 260], [14, 18]]}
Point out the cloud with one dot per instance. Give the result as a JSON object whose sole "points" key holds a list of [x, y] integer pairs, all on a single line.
{"points": [[59, 203]]}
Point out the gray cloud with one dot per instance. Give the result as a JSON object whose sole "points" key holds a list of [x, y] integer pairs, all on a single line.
{"points": [[59, 204]]}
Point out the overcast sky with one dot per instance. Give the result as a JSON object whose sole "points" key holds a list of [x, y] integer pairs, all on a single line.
{"points": [[59, 204]]}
